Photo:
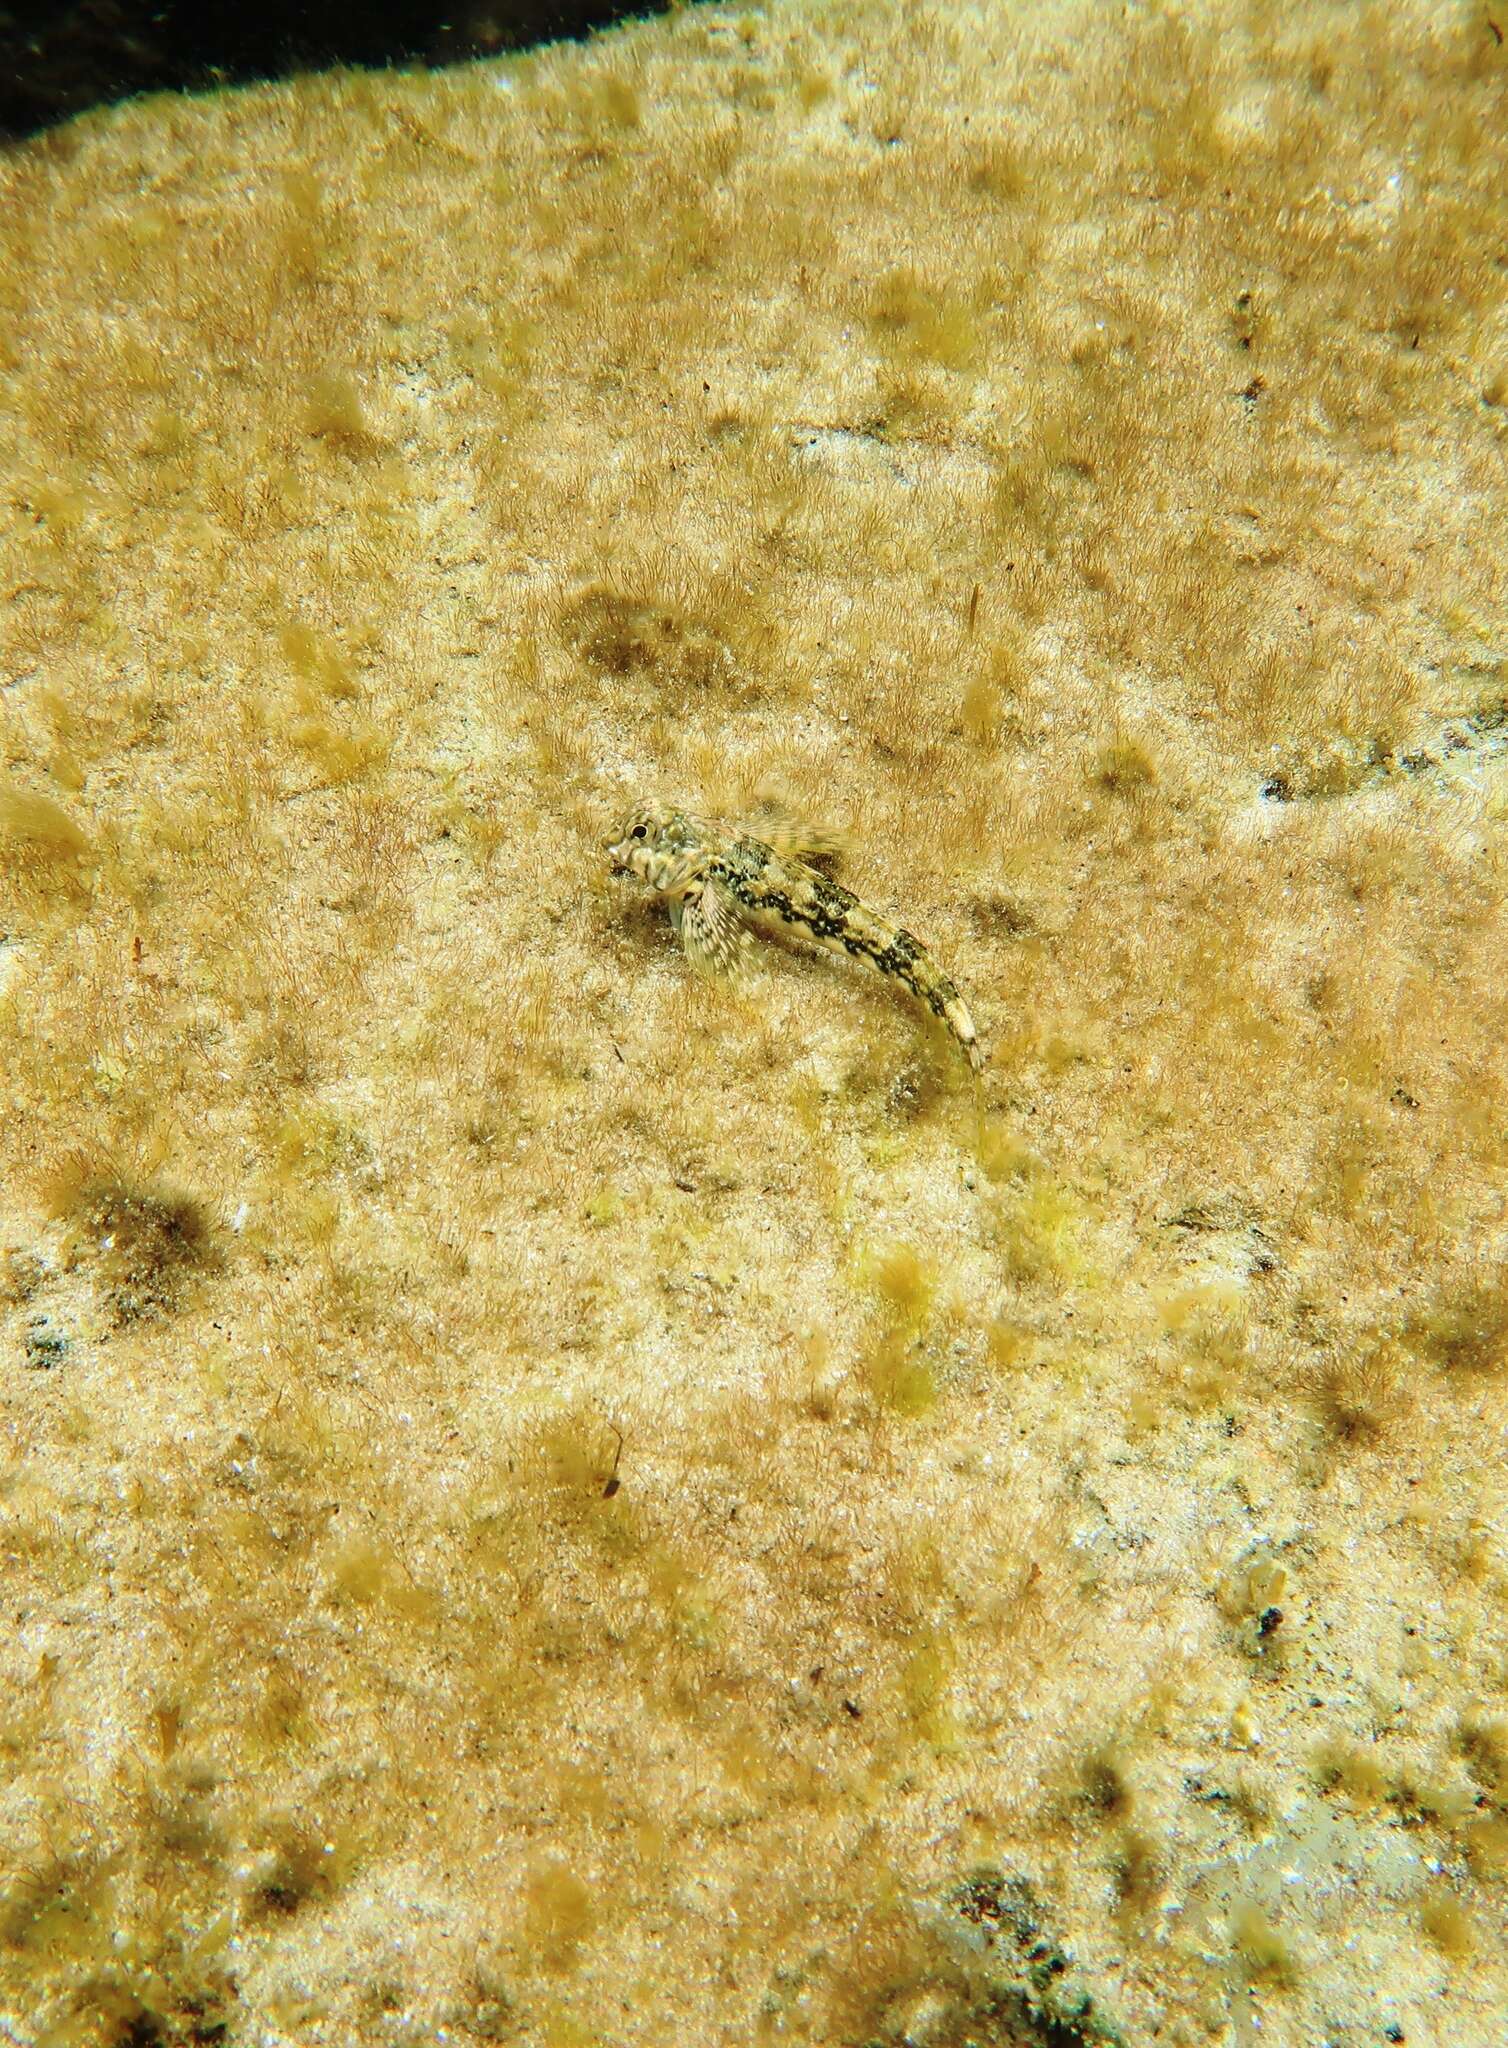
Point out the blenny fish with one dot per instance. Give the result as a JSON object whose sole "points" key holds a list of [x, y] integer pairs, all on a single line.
{"points": [[724, 883]]}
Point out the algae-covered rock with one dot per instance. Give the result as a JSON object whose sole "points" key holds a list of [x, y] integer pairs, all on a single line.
{"points": [[567, 1499]]}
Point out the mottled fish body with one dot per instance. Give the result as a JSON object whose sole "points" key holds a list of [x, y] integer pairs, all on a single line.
{"points": [[723, 885]]}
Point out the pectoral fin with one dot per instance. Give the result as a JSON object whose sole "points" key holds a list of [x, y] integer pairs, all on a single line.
{"points": [[711, 933]]}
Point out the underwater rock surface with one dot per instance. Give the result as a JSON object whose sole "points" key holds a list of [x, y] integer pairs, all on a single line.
{"points": [[553, 1501]]}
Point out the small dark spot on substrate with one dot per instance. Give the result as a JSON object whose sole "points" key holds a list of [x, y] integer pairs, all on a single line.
{"points": [[914, 1091], [42, 1347], [204, 2028], [984, 1898], [1104, 1787], [144, 2030], [999, 914], [1042, 2007], [148, 1243], [1268, 1620], [21, 1274], [1278, 789]]}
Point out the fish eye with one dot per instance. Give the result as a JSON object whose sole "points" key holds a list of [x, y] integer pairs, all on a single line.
{"points": [[638, 832]]}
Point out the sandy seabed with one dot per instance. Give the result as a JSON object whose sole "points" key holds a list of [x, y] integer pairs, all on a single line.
{"points": [[544, 1501]]}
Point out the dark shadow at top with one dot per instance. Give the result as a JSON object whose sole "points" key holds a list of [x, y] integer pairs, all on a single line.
{"points": [[57, 60]]}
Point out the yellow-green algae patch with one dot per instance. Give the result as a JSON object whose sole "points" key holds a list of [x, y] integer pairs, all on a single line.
{"points": [[552, 1503]]}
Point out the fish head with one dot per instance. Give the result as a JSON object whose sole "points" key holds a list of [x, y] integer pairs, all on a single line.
{"points": [[661, 844]]}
